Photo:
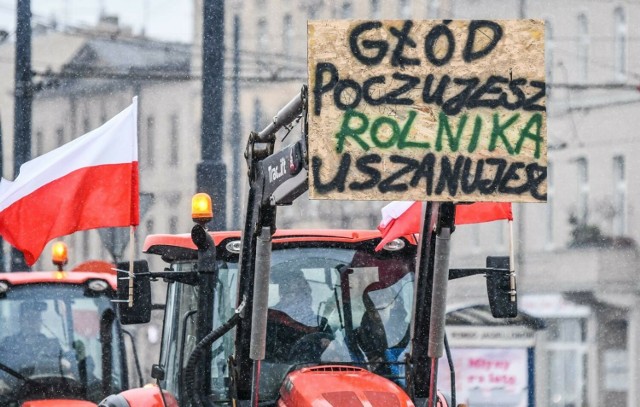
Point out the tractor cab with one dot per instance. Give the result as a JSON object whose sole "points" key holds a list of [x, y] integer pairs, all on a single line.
{"points": [[60, 338], [334, 305], [332, 320]]}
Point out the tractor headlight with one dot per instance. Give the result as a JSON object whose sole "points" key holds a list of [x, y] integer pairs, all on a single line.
{"points": [[97, 285], [395, 244], [234, 246]]}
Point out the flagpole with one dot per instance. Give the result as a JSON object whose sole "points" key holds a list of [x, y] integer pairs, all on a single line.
{"points": [[512, 265], [134, 102], [131, 254]]}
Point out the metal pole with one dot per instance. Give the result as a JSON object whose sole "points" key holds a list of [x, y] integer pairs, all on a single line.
{"points": [[2, 270], [236, 130], [438, 307], [22, 108], [420, 362], [211, 172], [260, 309]]}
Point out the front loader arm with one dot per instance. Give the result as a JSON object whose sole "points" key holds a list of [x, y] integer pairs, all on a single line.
{"points": [[274, 179], [284, 175]]}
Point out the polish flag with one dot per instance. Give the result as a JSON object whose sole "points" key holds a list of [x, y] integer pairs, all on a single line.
{"points": [[401, 218], [90, 182]]}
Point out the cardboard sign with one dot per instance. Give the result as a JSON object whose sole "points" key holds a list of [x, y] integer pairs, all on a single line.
{"points": [[440, 110]]}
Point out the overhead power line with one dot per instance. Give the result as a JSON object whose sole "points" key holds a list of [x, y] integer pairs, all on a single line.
{"points": [[293, 74], [586, 86]]}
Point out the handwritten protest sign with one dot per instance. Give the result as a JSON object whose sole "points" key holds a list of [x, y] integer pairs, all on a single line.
{"points": [[441, 110]]}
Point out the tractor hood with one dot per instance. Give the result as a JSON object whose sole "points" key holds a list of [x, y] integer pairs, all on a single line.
{"points": [[340, 386], [58, 403]]}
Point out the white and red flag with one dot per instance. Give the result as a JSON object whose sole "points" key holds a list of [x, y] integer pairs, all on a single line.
{"points": [[90, 182], [401, 218]]}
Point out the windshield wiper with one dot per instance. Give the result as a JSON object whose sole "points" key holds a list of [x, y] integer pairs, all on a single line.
{"points": [[15, 374], [20, 376]]}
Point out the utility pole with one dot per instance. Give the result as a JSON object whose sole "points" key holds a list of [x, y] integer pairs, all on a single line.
{"points": [[235, 122], [521, 242], [211, 172], [22, 108], [1, 175]]}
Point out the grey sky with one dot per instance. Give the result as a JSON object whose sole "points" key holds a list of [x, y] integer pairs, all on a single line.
{"points": [[170, 20]]}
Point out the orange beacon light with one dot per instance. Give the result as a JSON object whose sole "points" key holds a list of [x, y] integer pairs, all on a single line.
{"points": [[59, 254], [201, 208]]}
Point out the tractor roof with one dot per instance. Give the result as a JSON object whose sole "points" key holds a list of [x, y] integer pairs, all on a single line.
{"points": [[180, 246], [58, 277]]}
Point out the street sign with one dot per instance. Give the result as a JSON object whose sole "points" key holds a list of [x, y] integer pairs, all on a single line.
{"points": [[440, 110]]}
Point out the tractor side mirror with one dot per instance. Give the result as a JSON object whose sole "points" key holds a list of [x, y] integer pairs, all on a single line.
{"points": [[503, 299], [140, 312]]}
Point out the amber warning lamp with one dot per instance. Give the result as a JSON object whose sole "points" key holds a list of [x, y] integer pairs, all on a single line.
{"points": [[59, 254], [201, 208]]}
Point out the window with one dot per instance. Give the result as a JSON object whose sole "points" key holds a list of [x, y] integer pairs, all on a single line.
{"points": [[404, 9], [500, 229], [173, 225], [313, 7], [66, 320], [103, 114], [262, 42], [86, 245], [583, 47], [151, 130], [347, 9], [549, 54], [39, 143], [582, 211], [619, 196], [433, 8], [549, 208], [86, 125], [375, 9], [287, 35], [149, 226], [475, 238], [174, 140], [620, 46], [257, 115], [567, 355], [59, 136], [73, 247]]}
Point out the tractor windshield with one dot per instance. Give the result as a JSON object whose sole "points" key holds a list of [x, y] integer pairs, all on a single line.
{"points": [[331, 305], [58, 341], [326, 305]]}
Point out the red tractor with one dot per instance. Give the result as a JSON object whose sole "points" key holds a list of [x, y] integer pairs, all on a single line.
{"points": [[61, 342], [303, 317]]}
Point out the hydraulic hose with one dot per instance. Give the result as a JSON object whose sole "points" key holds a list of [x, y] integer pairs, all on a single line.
{"points": [[452, 370], [190, 378]]}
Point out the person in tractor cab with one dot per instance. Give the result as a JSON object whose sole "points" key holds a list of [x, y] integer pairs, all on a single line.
{"points": [[295, 300], [383, 333], [295, 332], [25, 350]]}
